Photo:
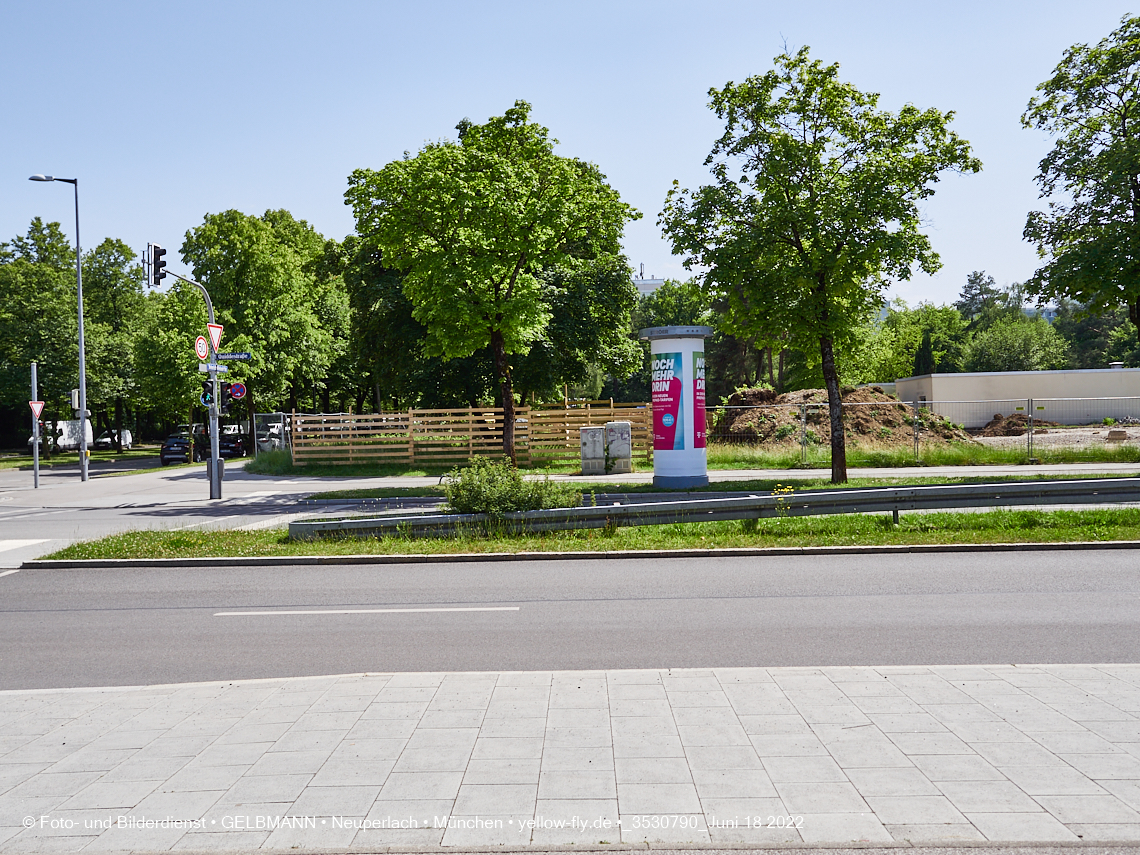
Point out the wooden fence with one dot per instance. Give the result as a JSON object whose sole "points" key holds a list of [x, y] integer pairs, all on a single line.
{"points": [[543, 435]]}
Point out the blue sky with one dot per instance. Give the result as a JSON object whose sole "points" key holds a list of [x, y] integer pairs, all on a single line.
{"points": [[169, 111]]}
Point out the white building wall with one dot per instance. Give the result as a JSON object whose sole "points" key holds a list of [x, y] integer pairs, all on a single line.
{"points": [[1069, 397]]}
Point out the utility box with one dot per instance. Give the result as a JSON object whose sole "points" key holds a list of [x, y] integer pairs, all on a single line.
{"points": [[593, 450], [619, 447]]}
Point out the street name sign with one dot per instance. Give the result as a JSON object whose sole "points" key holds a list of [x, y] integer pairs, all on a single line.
{"points": [[236, 357], [212, 366]]}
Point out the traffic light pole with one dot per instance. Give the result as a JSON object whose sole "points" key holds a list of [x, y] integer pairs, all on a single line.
{"points": [[214, 465]]}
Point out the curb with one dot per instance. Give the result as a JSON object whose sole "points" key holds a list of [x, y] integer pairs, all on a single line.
{"points": [[475, 557]]}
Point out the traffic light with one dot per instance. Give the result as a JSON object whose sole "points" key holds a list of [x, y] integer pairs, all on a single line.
{"points": [[157, 264], [227, 398], [207, 393]]}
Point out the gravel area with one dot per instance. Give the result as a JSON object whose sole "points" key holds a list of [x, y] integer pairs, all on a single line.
{"points": [[1084, 437]]}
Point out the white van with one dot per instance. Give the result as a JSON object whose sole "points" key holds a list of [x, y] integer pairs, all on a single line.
{"points": [[67, 434]]}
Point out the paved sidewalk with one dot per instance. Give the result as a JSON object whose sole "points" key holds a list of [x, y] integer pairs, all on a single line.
{"points": [[763, 756]]}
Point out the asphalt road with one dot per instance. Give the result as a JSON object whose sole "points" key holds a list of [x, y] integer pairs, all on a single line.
{"points": [[68, 628]]}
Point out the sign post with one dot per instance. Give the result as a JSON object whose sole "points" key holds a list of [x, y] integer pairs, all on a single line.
{"points": [[37, 408], [214, 465]]}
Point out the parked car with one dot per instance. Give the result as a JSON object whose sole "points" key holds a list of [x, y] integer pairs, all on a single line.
{"points": [[176, 449], [269, 438], [106, 440], [233, 442]]}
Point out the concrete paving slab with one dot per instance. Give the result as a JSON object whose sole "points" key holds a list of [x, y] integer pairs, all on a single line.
{"points": [[717, 759]]}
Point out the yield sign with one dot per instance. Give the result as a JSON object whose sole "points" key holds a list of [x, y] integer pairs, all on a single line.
{"points": [[37, 408], [215, 331]]}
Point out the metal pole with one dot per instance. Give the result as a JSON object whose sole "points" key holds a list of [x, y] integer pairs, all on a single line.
{"points": [[916, 431], [1029, 404], [82, 349], [213, 468], [803, 434], [35, 434]]}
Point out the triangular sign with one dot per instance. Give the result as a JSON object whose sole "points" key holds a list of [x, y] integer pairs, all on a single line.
{"points": [[215, 335], [37, 408]]}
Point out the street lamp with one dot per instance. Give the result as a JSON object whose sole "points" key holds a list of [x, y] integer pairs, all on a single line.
{"points": [[74, 182]]}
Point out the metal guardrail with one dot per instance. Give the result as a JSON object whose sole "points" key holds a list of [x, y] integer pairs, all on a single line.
{"points": [[791, 504]]}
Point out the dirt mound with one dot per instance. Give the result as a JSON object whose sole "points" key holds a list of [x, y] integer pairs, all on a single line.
{"points": [[1016, 424], [872, 418]]}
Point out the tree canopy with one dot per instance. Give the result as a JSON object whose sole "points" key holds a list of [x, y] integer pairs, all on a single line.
{"points": [[814, 208], [472, 224], [1090, 232]]}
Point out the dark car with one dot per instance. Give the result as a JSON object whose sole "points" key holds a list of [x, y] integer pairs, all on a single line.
{"points": [[176, 449], [232, 443]]}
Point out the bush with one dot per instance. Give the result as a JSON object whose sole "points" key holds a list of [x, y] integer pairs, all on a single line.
{"points": [[495, 487]]}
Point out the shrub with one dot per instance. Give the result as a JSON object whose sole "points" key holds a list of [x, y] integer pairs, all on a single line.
{"points": [[495, 487]]}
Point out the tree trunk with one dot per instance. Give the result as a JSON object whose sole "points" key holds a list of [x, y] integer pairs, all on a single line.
{"points": [[835, 410], [1134, 314], [503, 374]]}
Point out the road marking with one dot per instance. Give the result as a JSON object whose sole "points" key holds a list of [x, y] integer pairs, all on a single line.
{"points": [[5, 545], [9, 572], [370, 611]]}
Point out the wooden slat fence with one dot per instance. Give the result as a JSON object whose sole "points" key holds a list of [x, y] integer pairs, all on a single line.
{"points": [[449, 436]]}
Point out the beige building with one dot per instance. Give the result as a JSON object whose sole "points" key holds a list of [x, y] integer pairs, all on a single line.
{"points": [[1068, 397]]}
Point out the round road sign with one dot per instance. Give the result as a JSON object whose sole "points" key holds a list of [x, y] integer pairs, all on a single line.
{"points": [[237, 391], [201, 347]]}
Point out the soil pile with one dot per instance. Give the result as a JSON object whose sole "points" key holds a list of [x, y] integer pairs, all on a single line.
{"points": [[760, 416], [1016, 424]]}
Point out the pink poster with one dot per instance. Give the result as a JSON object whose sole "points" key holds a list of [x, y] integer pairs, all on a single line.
{"points": [[668, 404], [699, 425]]}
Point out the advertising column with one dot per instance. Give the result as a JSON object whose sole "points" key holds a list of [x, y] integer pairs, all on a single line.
{"points": [[678, 397]]}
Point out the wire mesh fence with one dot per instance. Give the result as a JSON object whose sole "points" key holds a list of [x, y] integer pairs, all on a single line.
{"points": [[1033, 427]]}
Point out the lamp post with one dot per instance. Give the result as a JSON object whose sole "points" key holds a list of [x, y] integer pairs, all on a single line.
{"points": [[74, 182]]}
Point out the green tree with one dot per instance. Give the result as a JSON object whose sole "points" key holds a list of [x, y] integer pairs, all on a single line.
{"points": [[112, 308], [980, 295], [1027, 344], [1090, 234], [38, 320], [815, 207], [261, 275], [471, 225]]}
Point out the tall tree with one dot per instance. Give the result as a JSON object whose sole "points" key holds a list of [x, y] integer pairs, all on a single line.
{"points": [[1090, 234], [814, 208], [261, 275], [113, 307], [979, 295], [472, 223]]}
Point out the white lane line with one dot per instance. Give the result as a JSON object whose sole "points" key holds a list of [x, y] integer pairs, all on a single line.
{"points": [[369, 611], [9, 572], [5, 545]]}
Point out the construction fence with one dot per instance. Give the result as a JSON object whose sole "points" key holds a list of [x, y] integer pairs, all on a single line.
{"points": [[1035, 424], [543, 435]]}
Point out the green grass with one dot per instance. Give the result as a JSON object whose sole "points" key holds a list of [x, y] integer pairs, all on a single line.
{"points": [[730, 456], [71, 458], [753, 485], [998, 526], [954, 454]]}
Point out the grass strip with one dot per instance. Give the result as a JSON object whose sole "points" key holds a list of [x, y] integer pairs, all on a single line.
{"points": [[997, 526], [755, 485], [730, 456]]}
